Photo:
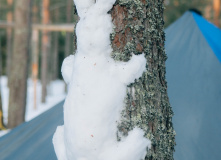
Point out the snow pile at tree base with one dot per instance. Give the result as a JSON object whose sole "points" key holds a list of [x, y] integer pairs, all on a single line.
{"points": [[97, 88]]}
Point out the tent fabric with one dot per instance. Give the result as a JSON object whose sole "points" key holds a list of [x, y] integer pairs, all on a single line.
{"points": [[33, 140], [211, 33], [194, 89]]}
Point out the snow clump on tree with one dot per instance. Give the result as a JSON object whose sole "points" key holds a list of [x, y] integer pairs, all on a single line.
{"points": [[97, 88]]}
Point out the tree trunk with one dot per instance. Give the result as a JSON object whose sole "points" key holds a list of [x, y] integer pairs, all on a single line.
{"points": [[45, 50], [35, 11], [139, 28], [55, 58], [216, 7], [35, 53], [68, 34], [2, 126], [9, 37], [68, 44], [55, 49], [19, 69]]}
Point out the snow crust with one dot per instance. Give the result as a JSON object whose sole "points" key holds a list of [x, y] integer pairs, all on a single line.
{"points": [[97, 88]]}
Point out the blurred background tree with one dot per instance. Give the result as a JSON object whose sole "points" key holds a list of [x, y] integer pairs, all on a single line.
{"points": [[48, 60], [175, 8], [1, 114], [56, 6], [59, 12], [2, 126], [19, 63]]}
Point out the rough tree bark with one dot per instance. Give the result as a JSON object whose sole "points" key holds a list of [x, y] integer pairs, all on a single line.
{"points": [[139, 28], [45, 50], [19, 68]]}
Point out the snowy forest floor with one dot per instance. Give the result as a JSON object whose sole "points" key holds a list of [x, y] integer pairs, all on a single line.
{"points": [[56, 93]]}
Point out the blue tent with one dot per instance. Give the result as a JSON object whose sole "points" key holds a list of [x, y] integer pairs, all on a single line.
{"points": [[33, 140], [193, 47]]}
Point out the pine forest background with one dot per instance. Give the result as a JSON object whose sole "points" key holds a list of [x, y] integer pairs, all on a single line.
{"points": [[58, 15]]}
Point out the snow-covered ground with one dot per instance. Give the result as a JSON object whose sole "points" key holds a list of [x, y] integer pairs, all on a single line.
{"points": [[56, 93]]}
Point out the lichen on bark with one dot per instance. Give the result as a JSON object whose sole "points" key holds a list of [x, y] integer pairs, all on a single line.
{"points": [[139, 28]]}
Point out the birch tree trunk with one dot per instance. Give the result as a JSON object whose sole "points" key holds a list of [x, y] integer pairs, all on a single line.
{"points": [[19, 68], [139, 28]]}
